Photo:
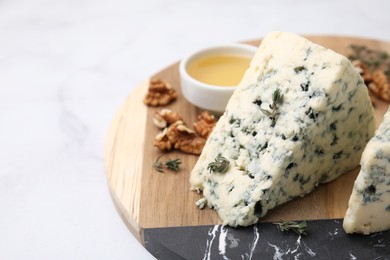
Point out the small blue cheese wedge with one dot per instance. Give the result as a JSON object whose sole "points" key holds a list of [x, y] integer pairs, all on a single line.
{"points": [[301, 116], [369, 204]]}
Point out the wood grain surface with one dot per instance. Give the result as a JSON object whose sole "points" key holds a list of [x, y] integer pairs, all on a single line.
{"points": [[146, 198]]}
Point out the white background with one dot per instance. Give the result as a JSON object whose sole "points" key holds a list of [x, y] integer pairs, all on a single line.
{"points": [[66, 66]]}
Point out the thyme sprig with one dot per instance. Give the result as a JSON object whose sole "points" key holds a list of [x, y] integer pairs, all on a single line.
{"points": [[220, 164], [277, 99], [170, 164], [298, 227]]}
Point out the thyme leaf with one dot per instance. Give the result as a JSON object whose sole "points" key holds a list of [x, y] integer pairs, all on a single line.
{"points": [[298, 227], [220, 164], [277, 99], [157, 165], [266, 112], [171, 164]]}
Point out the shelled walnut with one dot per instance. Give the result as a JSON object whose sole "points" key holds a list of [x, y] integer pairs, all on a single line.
{"points": [[180, 137], [364, 71], [162, 141], [192, 145], [374, 66], [165, 117], [160, 93], [185, 139], [380, 85], [205, 124], [176, 135]]}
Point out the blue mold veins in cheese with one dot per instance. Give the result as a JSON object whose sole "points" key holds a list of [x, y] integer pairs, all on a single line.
{"points": [[369, 204], [319, 132]]}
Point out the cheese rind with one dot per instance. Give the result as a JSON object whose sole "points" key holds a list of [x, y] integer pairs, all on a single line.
{"points": [[324, 122], [369, 205]]}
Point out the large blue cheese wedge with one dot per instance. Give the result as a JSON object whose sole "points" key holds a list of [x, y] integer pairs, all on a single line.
{"points": [[369, 205], [278, 149]]}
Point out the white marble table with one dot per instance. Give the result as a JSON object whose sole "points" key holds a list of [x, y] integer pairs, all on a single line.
{"points": [[66, 66]]}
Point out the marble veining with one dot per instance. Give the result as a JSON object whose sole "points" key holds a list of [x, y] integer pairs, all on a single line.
{"points": [[212, 234], [265, 241], [222, 242], [281, 251], [254, 242], [288, 252]]}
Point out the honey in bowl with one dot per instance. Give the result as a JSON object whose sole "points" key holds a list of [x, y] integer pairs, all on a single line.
{"points": [[219, 69]]}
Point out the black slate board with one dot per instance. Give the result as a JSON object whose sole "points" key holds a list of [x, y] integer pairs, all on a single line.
{"points": [[326, 239]]}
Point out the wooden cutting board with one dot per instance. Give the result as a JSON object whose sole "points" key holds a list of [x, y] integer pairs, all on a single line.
{"points": [[146, 198]]}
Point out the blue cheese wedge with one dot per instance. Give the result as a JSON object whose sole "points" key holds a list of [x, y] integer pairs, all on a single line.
{"points": [[369, 204], [317, 132]]}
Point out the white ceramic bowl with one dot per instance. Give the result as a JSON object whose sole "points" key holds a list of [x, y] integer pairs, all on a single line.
{"points": [[206, 96]]}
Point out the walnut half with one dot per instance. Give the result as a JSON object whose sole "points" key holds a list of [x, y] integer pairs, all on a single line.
{"points": [[165, 117], [180, 137], [364, 71], [160, 93], [162, 141], [205, 124], [380, 85]]}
